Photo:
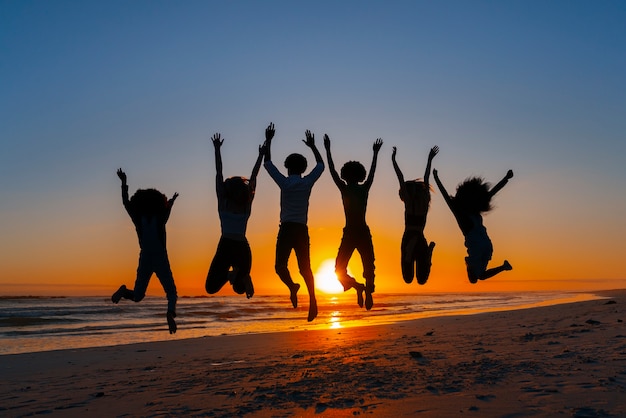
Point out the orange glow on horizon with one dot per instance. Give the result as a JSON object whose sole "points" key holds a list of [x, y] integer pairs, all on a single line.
{"points": [[326, 279]]}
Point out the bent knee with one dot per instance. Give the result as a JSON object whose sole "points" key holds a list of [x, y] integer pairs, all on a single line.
{"points": [[306, 272], [281, 270], [211, 288]]}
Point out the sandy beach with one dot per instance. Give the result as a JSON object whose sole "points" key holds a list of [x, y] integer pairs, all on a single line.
{"points": [[562, 360]]}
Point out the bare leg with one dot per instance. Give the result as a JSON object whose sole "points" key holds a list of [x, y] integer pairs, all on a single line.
{"points": [[293, 296], [312, 307], [170, 322], [493, 271]]}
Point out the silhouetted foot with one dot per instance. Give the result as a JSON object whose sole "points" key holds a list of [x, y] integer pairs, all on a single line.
{"points": [[170, 322], [249, 287], [507, 265], [294, 294], [359, 294], [118, 294], [312, 310], [369, 301]]}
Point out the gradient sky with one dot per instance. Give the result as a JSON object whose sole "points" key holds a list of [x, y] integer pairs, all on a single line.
{"points": [[90, 86]]}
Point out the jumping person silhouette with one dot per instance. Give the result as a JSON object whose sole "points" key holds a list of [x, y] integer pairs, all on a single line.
{"points": [[234, 205], [293, 233], [149, 210], [354, 188], [472, 198], [416, 253]]}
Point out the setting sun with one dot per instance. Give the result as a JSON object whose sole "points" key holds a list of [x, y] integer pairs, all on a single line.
{"points": [[326, 279]]}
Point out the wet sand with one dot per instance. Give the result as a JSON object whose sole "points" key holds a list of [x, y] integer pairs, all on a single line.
{"points": [[563, 360]]}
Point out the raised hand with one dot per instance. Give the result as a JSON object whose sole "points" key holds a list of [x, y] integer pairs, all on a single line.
{"points": [[435, 173], [269, 132], [393, 153], [174, 197], [495, 189], [377, 144], [121, 175], [217, 140], [310, 139], [433, 151], [326, 142]]}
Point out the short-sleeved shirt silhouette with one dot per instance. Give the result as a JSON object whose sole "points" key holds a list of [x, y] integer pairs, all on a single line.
{"points": [[295, 191]]}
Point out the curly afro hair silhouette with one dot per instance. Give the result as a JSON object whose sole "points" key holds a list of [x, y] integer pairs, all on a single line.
{"points": [[148, 202], [353, 172]]}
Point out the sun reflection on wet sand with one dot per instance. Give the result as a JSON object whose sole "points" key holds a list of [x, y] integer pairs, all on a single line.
{"points": [[335, 320]]}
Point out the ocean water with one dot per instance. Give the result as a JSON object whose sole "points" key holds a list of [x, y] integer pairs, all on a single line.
{"points": [[31, 324]]}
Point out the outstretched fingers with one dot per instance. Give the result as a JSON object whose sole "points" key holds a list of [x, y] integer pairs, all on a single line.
{"points": [[270, 131], [377, 144], [310, 138], [121, 175], [217, 140]]}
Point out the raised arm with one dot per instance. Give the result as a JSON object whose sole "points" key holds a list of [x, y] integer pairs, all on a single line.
{"points": [[310, 142], [257, 166], [124, 179], [495, 189], [396, 168], [331, 164], [269, 135], [376, 148], [169, 205], [442, 189], [219, 176], [433, 151]]}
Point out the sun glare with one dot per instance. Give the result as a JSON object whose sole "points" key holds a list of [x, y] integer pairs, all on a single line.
{"points": [[326, 279]]}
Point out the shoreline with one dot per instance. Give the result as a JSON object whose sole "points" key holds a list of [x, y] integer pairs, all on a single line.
{"points": [[336, 312], [566, 359]]}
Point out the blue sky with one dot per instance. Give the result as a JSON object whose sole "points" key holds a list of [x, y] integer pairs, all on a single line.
{"points": [[88, 87]]}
